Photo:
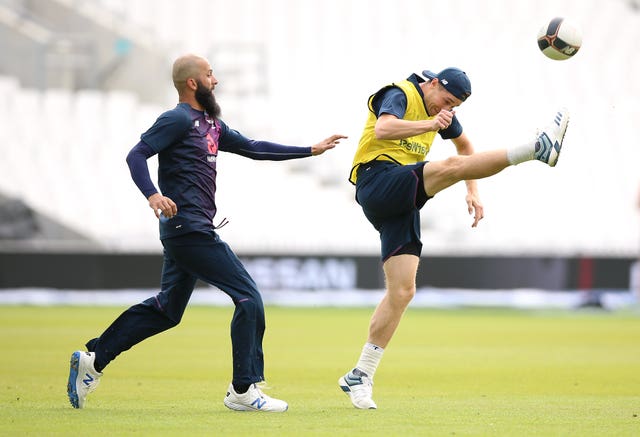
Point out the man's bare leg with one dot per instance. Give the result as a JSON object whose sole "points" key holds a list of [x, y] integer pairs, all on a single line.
{"points": [[439, 175], [400, 275]]}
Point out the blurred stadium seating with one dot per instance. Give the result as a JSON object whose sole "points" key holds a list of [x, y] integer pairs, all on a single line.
{"points": [[305, 72]]}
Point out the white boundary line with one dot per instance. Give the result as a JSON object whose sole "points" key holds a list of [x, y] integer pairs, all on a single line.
{"points": [[425, 298]]}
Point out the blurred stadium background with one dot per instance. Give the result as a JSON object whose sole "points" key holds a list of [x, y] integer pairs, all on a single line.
{"points": [[80, 80]]}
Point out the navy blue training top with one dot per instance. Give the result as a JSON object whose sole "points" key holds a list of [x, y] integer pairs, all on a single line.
{"points": [[392, 100], [187, 142]]}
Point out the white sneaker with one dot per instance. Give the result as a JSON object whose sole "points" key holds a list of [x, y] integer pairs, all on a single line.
{"points": [[359, 387], [83, 378], [253, 400], [549, 141]]}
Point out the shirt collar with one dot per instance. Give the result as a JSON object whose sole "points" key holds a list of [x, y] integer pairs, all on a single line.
{"points": [[416, 81]]}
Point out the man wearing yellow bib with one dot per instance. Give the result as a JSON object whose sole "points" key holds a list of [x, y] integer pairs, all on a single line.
{"points": [[393, 182]]}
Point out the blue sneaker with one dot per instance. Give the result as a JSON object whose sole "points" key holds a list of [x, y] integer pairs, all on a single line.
{"points": [[549, 141], [359, 387], [83, 378]]}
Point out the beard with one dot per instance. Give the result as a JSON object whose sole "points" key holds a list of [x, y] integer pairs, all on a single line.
{"points": [[207, 99]]}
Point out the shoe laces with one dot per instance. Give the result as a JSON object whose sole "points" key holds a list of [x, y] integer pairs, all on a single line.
{"points": [[367, 382], [257, 391], [262, 385], [362, 391]]}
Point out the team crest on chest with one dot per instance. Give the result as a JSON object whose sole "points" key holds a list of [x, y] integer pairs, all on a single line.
{"points": [[212, 145]]}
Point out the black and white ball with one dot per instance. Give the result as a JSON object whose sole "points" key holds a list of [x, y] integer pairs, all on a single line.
{"points": [[559, 39]]}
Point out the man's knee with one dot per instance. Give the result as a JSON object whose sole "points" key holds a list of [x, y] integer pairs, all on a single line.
{"points": [[168, 310], [251, 305], [402, 295], [449, 168], [439, 175]]}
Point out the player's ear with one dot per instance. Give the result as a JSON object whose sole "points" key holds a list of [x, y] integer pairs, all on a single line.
{"points": [[192, 84], [432, 83]]}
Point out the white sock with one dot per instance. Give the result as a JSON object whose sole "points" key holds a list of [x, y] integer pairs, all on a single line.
{"points": [[521, 153], [369, 359]]}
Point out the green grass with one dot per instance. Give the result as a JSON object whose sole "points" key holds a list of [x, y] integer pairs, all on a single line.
{"points": [[447, 372]]}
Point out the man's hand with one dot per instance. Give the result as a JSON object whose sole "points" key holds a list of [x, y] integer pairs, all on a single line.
{"points": [[443, 119], [161, 204], [324, 145], [474, 205]]}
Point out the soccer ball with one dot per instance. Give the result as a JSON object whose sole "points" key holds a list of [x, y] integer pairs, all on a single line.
{"points": [[559, 39]]}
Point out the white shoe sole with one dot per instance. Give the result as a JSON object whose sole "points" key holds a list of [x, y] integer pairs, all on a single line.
{"points": [[562, 128], [240, 407]]}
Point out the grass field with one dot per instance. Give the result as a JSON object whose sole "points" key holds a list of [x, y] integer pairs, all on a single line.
{"points": [[447, 372]]}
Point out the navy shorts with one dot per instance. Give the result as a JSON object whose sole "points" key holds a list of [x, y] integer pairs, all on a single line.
{"points": [[391, 196]]}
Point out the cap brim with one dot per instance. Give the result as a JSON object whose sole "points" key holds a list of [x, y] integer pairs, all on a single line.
{"points": [[429, 74]]}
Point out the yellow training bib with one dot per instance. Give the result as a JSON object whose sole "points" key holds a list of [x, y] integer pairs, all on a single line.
{"points": [[403, 151]]}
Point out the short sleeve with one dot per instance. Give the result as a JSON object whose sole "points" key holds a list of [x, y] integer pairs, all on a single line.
{"points": [[390, 100]]}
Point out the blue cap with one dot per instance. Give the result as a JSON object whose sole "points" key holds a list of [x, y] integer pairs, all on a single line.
{"points": [[453, 80]]}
